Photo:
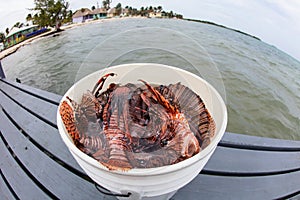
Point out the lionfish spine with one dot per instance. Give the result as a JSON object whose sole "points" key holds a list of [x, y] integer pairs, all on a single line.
{"points": [[206, 128], [118, 146], [90, 106], [191, 104]]}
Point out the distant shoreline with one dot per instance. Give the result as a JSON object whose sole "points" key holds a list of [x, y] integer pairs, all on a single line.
{"points": [[53, 32], [14, 48], [222, 26]]}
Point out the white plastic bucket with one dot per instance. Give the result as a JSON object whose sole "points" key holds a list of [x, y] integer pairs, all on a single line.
{"points": [[149, 183]]}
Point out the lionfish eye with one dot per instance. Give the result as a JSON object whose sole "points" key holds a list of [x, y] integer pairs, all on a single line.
{"points": [[164, 142]]}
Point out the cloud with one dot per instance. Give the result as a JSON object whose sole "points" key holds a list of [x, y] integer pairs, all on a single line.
{"points": [[11, 18], [274, 21], [13, 11], [281, 25]]}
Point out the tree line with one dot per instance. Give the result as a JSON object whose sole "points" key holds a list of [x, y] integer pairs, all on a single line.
{"points": [[47, 13], [53, 13]]}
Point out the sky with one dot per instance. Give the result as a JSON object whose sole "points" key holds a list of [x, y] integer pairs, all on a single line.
{"points": [[276, 22]]}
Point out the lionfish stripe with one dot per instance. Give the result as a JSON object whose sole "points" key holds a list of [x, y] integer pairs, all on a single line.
{"points": [[68, 119]]}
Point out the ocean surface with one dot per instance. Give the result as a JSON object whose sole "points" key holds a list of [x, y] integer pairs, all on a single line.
{"points": [[259, 83]]}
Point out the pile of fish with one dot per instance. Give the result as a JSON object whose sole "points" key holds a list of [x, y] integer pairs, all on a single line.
{"points": [[138, 126]]}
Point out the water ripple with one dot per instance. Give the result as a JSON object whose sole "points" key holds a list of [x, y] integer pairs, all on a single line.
{"points": [[261, 82]]}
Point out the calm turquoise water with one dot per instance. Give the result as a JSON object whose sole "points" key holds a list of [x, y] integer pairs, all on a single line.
{"points": [[260, 84]]}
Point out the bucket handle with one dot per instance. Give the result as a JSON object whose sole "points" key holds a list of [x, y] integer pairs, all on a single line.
{"points": [[105, 191]]}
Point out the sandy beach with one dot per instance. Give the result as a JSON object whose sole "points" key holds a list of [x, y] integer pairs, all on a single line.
{"points": [[14, 48]]}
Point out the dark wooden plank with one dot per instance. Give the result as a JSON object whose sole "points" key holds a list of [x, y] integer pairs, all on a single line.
{"points": [[258, 143], [4, 190], [45, 110], [58, 181], [2, 74], [232, 157], [296, 197], [51, 97], [18, 180], [229, 139], [225, 187], [251, 162], [225, 160], [42, 134]]}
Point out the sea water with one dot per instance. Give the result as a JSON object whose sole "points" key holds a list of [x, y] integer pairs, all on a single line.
{"points": [[259, 83]]}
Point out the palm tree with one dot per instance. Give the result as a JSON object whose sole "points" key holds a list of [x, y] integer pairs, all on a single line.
{"points": [[130, 10], [50, 12], [68, 17], [18, 25], [142, 11], [118, 8], [29, 17], [150, 9], [159, 8], [2, 37], [106, 4], [35, 19]]}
